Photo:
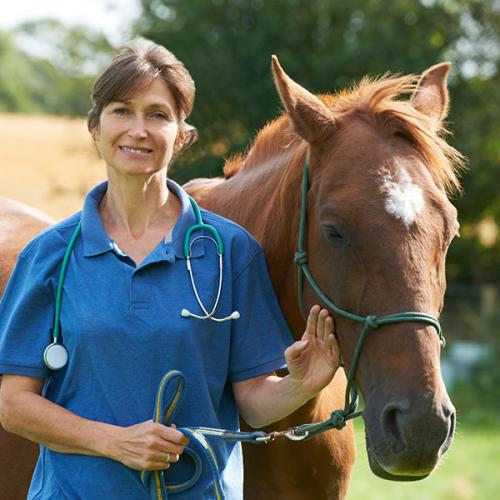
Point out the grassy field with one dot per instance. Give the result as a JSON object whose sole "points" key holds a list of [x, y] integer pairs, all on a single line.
{"points": [[47, 162], [470, 470]]}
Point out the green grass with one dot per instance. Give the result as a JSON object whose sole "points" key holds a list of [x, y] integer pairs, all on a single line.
{"points": [[470, 470]]}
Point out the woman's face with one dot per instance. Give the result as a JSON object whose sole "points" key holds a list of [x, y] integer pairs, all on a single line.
{"points": [[137, 136]]}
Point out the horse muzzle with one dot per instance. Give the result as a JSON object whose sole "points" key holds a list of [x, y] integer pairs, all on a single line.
{"points": [[406, 438]]}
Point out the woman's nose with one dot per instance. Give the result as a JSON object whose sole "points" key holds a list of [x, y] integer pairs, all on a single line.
{"points": [[138, 128]]}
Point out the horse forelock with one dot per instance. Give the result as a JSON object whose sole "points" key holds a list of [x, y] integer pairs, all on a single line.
{"points": [[380, 100]]}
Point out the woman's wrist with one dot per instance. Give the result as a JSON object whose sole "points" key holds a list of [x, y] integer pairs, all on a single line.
{"points": [[298, 389], [106, 439]]}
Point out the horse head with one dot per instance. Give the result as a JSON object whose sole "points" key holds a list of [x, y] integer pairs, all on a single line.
{"points": [[379, 226]]}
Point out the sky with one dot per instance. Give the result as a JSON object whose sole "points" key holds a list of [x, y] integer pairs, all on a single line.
{"points": [[112, 17]]}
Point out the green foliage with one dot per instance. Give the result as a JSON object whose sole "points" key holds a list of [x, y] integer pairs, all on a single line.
{"points": [[325, 46], [56, 82], [477, 398], [16, 79]]}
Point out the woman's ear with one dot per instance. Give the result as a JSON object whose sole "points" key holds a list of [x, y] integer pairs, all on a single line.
{"points": [[96, 136], [95, 133], [186, 136], [181, 136]]}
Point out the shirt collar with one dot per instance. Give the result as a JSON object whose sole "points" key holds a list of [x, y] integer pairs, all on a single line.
{"points": [[96, 241]]}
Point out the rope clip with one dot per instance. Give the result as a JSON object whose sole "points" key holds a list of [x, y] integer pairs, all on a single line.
{"points": [[268, 438], [293, 435]]}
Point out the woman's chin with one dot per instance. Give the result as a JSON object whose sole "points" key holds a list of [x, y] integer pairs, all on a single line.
{"points": [[136, 169]]}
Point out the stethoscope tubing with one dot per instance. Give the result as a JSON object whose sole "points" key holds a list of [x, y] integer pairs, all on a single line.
{"points": [[57, 347], [193, 284]]}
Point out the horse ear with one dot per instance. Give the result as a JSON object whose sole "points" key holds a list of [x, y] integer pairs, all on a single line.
{"points": [[431, 94], [310, 117]]}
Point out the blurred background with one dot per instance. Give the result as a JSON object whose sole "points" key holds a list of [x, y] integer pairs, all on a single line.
{"points": [[51, 52]]}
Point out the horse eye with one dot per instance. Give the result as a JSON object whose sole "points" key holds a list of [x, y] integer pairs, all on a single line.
{"points": [[332, 233]]}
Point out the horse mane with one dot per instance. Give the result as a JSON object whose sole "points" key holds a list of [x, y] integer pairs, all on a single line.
{"points": [[378, 100]]}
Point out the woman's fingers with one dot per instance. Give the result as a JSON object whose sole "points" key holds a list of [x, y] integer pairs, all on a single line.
{"points": [[329, 327], [173, 435], [295, 350], [312, 322], [334, 348], [317, 323], [320, 328], [150, 446]]}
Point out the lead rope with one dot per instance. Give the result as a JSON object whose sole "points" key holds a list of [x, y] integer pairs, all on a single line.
{"points": [[339, 418], [169, 399]]}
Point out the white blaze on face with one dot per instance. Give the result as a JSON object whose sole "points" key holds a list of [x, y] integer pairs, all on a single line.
{"points": [[404, 199]]}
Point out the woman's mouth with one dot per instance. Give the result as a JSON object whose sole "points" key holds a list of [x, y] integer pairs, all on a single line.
{"points": [[135, 152]]}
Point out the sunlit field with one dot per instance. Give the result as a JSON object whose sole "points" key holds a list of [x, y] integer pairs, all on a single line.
{"points": [[47, 162]]}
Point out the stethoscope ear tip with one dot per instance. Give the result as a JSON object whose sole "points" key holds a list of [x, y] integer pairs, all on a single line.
{"points": [[235, 315], [185, 313]]}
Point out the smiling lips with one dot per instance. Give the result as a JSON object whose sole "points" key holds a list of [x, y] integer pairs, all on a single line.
{"points": [[135, 151]]}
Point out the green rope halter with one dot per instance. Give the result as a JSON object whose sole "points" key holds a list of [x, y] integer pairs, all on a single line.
{"points": [[339, 417]]}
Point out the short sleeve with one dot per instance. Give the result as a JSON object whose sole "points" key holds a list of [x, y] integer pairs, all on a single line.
{"points": [[26, 320], [260, 336]]}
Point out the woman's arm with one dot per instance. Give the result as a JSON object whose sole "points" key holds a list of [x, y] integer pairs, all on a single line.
{"points": [[312, 362], [25, 412]]}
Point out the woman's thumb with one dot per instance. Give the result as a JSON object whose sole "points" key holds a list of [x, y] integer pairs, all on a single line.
{"points": [[295, 350]]}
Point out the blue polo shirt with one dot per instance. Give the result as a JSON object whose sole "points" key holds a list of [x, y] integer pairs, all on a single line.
{"points": [[123, 330]]}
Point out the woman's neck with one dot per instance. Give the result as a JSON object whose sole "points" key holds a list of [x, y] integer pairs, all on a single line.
{"points": [[134, 205]]}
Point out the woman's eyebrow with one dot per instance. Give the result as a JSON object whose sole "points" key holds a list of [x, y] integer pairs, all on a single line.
{"points": [[160, 105], [153, 105]]}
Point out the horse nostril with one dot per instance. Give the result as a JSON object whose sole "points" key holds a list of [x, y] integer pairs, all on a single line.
{"points": [[452, 425], [391, 425], [451, 432]]}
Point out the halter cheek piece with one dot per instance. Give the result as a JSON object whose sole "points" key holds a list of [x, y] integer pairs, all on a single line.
{"points": [[339, 417]]}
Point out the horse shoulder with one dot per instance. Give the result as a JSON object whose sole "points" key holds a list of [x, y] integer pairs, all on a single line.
{"points": [[19, 224]]}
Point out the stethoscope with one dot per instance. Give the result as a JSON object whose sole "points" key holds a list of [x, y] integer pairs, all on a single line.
{"points": [[56, 355]]}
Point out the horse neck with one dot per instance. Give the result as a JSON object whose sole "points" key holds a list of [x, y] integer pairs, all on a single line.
{"points": [[265, 199]]}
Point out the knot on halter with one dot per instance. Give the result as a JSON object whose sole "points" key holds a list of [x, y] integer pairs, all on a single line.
{"points": [[337, 418], [371, 322], [300, 258]]}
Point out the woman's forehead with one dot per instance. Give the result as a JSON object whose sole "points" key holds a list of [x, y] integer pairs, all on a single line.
{"points": [[149, 93]]}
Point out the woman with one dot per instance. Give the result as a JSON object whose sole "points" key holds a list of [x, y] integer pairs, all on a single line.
{"points": [[121, 320]]}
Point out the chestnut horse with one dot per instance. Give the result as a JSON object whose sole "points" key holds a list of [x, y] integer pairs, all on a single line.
{"points": [[18, 225], [379, 224]]}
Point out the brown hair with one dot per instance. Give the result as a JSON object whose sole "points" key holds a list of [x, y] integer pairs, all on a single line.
{"points": [[133, 68]]}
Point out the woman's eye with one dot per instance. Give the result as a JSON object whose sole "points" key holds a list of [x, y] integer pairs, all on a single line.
{"points": [[120, 111], [160, 116]]}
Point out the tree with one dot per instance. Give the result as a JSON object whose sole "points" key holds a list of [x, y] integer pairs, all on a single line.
{"points": [[16, 78], [55, 77], [325, 45]]}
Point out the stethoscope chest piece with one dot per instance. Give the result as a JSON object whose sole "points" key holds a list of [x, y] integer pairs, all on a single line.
{"points": [[55, 356]]}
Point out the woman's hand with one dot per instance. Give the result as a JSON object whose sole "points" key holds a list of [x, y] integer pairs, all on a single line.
{"points": [[148, 446], [313, 360]]}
